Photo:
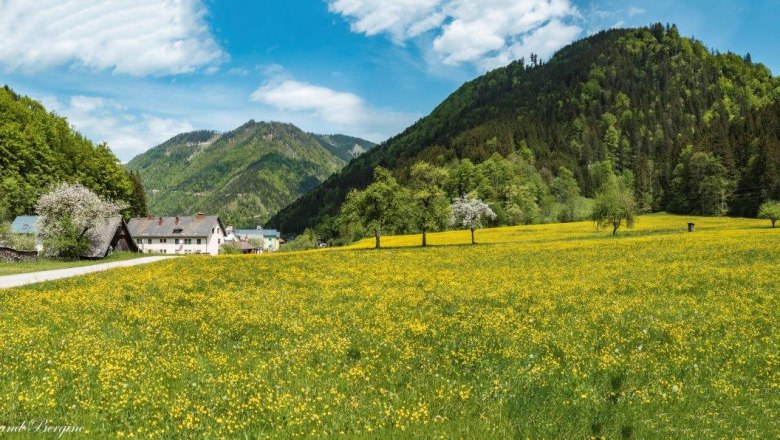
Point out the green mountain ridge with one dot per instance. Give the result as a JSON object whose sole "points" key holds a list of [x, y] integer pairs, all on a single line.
{"points": [[635, 97], [345, 147], [243, 175]]}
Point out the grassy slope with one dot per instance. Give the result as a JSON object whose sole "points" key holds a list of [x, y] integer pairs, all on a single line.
{"points": [[47, 264], [553, 331]]}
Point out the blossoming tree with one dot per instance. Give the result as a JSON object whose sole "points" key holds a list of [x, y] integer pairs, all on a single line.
{"points": [[470, 213], [69, 214]]}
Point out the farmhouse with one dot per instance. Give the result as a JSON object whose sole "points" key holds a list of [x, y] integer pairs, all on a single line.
{"points": [[198, 234]]}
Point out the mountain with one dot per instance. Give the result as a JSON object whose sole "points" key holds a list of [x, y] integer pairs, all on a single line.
{"points": [[345, 147], [244, 175], [39, 149], [635, 97]]}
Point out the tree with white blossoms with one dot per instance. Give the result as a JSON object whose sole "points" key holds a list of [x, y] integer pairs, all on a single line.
{"points": [[470, 213], [69, 215]]}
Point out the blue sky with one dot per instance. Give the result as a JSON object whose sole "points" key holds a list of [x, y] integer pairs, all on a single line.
{"points": [[136, 72]]}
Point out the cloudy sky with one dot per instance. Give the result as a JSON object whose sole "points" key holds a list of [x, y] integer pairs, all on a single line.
{"points": [[136, 72]]}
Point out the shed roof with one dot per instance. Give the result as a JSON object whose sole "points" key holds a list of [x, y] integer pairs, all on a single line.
{"points": [[102, 237], [24, 224]]}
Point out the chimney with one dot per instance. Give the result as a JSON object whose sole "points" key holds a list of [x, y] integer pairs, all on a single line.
{"points": [[159, 221], [177, 220], [200, 216]]}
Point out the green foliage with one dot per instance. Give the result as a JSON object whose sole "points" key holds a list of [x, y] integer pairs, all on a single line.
{"points": [[70, 243], [39, 149], [230, 249], [770, 210], [700, 184], [614, 205], [305, 241], [633, 97], [379, 207], [565, 189], [138, 206], [429, 205]]}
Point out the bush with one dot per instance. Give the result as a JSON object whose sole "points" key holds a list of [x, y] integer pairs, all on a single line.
{"points": [[69, 244], [230, 249], [305, 241]]}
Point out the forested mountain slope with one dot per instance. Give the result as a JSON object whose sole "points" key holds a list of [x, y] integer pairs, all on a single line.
{"points": [[635, 97], [244, 175], [39, 148]]}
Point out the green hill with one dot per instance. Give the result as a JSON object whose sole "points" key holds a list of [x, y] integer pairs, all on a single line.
{"points": [[635, 97], [244, 175], [39, 148]]}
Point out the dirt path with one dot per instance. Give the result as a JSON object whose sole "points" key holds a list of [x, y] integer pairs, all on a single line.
{"points": [[48, 275]]}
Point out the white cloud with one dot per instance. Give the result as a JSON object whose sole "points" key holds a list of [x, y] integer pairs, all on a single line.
{"points": [[136, 37], [635, 11], [338, 111], [543, 40], [103, 119], [330, 105], [468, 31]]}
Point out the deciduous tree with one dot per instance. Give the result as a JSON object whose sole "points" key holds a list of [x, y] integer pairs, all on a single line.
{"points": [[471, 213], [770, 210], [614, 205], [69, 214], [430, 208], [378, 206]]}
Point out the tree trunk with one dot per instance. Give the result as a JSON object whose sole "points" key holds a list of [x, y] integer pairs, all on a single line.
{"points": [[615, 228], [472, 236], [425, 238], [377, 237], [773, 223]]}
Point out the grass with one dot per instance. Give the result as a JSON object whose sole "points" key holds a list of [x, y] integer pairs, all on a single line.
{"points": [[51, 264], [553, 331]]}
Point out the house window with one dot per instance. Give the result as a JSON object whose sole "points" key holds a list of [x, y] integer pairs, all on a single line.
{"points": [[219, 241], [178, 230], [149, 240], [176, 241], [199, 241], [187, 241], [212, 230], [139, 240], [163, 240], [188, 252]]}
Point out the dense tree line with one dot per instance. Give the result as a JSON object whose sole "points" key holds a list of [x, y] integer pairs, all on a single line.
{"points": [[636, 98], [39, 149], [497, 192]]}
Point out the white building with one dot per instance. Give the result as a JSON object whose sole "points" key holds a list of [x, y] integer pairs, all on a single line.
{"points": [[270, 238], [198, 234]]}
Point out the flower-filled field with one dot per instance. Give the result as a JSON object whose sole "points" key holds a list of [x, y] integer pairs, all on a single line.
{"points": [[553, 331]]}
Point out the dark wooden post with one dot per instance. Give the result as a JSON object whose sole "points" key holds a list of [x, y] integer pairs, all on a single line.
{"points": [[691, 227]]}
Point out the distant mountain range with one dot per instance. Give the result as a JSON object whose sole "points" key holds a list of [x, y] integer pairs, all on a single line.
{"points": [[244, 175], [635, 97]]}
